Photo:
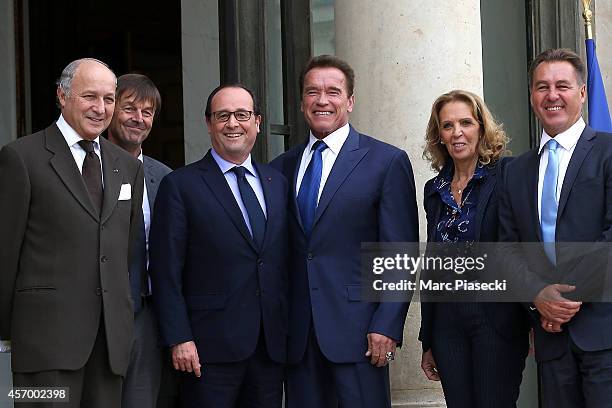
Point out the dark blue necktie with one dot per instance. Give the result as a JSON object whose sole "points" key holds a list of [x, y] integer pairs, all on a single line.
{"points": [[257, 219], [138, 267], [309, 189], [548, 204]]}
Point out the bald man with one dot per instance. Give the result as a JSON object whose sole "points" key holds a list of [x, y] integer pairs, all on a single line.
{"points": [[70, 202]]}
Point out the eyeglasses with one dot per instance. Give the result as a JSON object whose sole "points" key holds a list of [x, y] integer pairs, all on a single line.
{"points": [[224, 116]]}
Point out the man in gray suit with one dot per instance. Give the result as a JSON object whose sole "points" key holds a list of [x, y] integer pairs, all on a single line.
{"points": [[70, 202], [138, 102]]}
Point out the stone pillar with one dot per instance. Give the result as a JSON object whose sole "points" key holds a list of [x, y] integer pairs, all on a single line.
{"points": [[405, 54], [200, 48], [603, 37], [8, 112]]}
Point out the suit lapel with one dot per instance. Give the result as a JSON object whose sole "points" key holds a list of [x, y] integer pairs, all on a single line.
{"points": [[112, 179], [347, 159], [583, 147], [294, 165], [150, 180], [265, 178], [214, 178], [532, 175], [64, 165], [435, 209], [484, 195]]}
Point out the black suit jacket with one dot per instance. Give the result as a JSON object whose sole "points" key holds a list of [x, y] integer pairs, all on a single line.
{"points": [[211, 284], [584, 215], [64, 267], [509, 319]]}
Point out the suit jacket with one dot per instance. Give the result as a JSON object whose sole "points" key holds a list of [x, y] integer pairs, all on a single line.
{"points": [[64, 266], [509, 319], [210, 282], [369, 196], [154, 171], [584, 215]]}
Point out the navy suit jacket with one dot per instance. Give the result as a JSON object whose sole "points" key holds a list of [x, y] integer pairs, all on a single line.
{"points": [[210, 283], [369, 196], [509, 319], [584, 215]]}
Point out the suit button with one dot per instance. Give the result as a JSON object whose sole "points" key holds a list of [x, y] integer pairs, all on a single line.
{"points": [[103, 259], [260, 262], [99, 291], [257, 292], [102, 227], [309, 257]]}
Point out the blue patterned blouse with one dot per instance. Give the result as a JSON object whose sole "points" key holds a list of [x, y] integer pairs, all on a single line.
{"points": [[456, 223]]}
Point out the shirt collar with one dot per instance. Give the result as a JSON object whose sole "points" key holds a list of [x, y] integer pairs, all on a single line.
{"points": [[566, 139], [140, 157], [71, 136], [334, 140], [226, 166]]}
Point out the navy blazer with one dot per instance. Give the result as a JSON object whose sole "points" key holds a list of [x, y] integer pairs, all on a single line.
{"points": [[211, 284], [509, 319], [584, 215], [368, 197]]}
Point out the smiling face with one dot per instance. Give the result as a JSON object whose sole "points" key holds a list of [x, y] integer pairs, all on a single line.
{"points": [[325, 101], [89, 107], [459, 131], [233, 140], [132, 122], [557, 96]]}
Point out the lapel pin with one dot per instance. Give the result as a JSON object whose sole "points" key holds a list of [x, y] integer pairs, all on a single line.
{"points": [[269, 178], [115, 170]]}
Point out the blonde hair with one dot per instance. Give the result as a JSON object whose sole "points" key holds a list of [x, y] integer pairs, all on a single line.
{"points": [[491, 144]]}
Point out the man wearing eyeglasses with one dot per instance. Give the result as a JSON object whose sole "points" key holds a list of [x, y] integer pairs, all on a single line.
{"points": [[138, 102], [218, 262]]}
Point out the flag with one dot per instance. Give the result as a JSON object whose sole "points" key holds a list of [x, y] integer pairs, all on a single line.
{"points": [[599, 115]]}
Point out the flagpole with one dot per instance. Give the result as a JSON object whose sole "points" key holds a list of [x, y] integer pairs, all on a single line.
{"points": [[588, 18]]}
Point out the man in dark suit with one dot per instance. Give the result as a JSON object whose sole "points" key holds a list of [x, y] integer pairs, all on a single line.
{"points": [[138, 103], [69, 203], [345, 188], [562, 192], [218, 263]]}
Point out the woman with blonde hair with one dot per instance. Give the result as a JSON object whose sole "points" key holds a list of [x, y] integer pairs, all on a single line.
{"points": [[476, 349]]}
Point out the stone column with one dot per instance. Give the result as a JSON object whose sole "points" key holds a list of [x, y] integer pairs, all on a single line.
{"points": [[8, 112], [405, 54], [200, 48], [603, 39]]}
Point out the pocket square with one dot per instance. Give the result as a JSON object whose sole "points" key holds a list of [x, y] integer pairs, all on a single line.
{"points": [[126, 192]]}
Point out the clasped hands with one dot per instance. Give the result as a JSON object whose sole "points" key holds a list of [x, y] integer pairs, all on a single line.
{"points": [[554, 308]]}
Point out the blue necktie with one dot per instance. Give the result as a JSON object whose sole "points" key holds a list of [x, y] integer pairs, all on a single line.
{"points": [[309, 189], [549, 203], [257, 219]]}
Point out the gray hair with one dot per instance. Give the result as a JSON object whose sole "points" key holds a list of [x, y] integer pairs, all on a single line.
{"points": [[65, 80]]}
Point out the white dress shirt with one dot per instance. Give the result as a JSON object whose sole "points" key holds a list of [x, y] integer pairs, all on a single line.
{"points": [[251, 176], [334, 142], [567, 143], [73, 139]]}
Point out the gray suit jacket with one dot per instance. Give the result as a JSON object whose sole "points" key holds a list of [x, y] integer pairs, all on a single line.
{"points": [[154, 172], [64, 266]]}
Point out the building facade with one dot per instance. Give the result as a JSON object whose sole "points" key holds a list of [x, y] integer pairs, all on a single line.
{"points": [[405, 54]]}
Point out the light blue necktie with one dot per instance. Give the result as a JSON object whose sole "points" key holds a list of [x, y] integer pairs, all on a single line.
{"points": [[549, 203], [309, 189]]}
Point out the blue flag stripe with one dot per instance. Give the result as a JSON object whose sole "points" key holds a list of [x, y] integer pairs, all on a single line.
{"points": [[599, 114]]}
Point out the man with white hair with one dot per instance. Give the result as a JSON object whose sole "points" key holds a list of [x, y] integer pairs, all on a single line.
{"points": [[70, 202]]}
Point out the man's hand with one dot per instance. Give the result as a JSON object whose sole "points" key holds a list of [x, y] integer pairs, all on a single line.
{"points": [[550, 326], [378, 346], [554, 307], [185, 358], [428, 365]]}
